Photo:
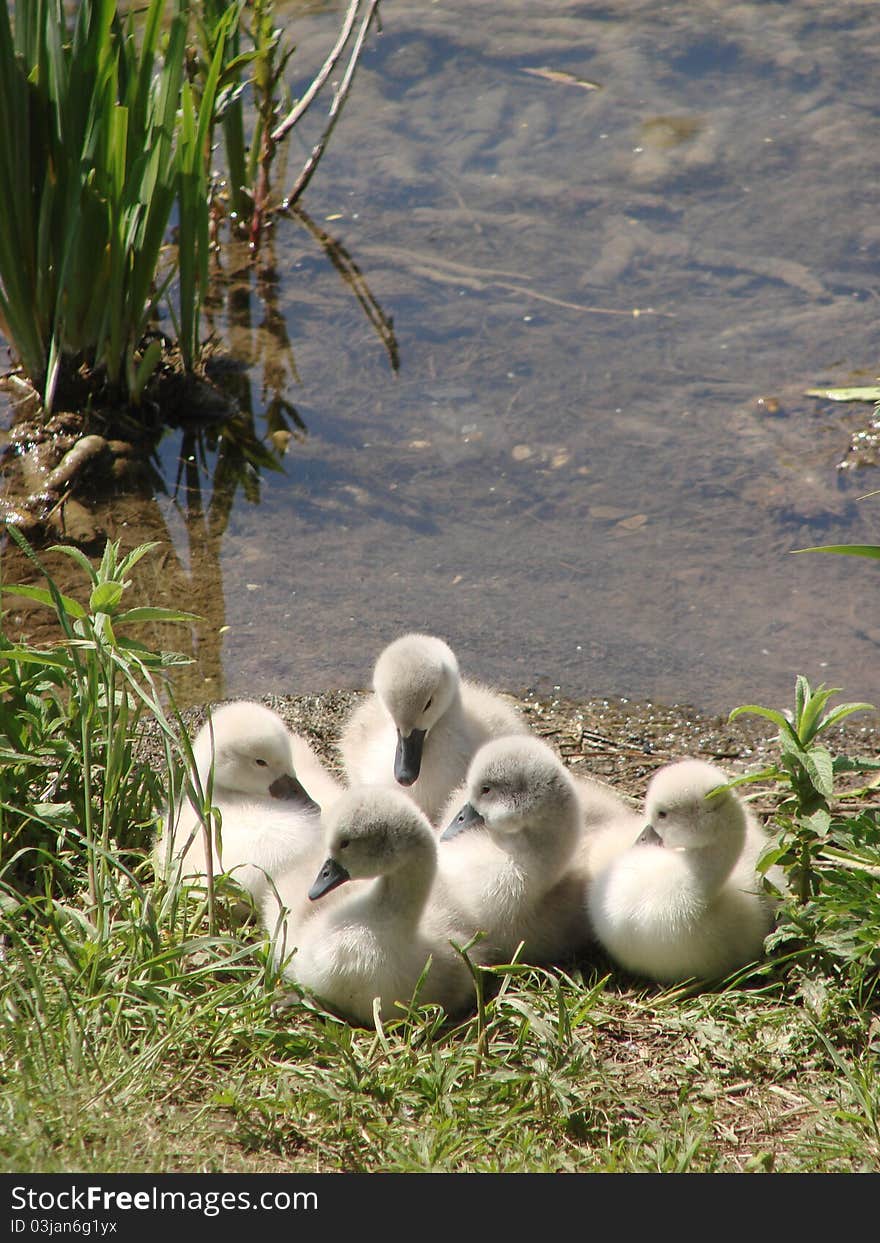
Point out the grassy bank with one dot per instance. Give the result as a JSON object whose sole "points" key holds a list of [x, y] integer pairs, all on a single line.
{"points": [[144, 1029]]}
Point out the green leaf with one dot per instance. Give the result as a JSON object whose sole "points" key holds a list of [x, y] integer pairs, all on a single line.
{"points": [[33, 656], [769, 856], [819, 822], [156, 614], [105, 597], [855, 764], [145, 368], [770, 714], [766, 774], [53, 811], [43, 596], [802, 696], [857, 393], [817, 762], [135, 556], [77, 555], [810, 710], [841, 711], [846, 550], [170, 659]]}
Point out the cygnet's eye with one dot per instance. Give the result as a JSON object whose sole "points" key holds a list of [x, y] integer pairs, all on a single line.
{"points": [[428, 704], [661, 815], [344, 843], [262, 763], [487, 789]]}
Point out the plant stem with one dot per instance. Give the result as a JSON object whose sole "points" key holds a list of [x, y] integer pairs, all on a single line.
{"points": [[339, 99]]}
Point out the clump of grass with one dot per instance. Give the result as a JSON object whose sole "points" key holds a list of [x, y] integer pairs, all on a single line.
{"points": [[72, 790], [101, 140], [105, 976]]}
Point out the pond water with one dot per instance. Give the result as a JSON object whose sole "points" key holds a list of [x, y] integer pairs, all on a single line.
{"points": [[618, 242]]}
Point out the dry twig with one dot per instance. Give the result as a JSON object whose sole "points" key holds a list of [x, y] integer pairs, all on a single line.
{"points": [[339, 98]]}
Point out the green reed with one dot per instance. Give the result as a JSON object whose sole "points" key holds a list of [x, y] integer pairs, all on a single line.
{"points": [[100, 143]]}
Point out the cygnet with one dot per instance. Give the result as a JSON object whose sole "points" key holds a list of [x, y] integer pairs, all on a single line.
{"points": [[423, 724], [373, 942], [509, 877], [244, 759], [681, 901]]}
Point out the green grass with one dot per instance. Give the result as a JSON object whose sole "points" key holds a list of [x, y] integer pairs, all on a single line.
{"points": [[101, 142], [144, 1028]]}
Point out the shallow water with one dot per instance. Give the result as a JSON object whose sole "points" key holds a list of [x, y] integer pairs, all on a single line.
{"points": [[572, 494]]}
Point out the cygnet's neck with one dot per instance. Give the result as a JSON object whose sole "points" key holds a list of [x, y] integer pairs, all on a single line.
{"points": [[709, 866], [545, 843], [404, 891], [454, 713]]}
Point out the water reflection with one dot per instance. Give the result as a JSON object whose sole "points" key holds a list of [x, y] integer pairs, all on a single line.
{"points": [[351, 275]]}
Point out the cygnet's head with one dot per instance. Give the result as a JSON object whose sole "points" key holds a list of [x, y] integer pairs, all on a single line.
{"points": [[416, 678], [251, 752], [513, 784], [685, 813], [373, 831]]}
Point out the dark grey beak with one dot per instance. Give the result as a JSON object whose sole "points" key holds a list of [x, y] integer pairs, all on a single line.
{"points": [[649, 837], [330, 875], [467, 818], [408, 756], [288, 788]]}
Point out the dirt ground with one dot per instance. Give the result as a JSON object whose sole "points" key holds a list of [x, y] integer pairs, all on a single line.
{"points": [[616, 740]]}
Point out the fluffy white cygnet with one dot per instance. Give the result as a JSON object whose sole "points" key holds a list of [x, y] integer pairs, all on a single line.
{"points": [[423, 724], [506, 854], [248, 761], [372, 941], [683, 900]]}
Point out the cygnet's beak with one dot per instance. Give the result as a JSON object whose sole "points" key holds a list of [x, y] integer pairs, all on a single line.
{"points": [[289, 788], [330, 875], [649, 837], [408, 756], [467, 818]]}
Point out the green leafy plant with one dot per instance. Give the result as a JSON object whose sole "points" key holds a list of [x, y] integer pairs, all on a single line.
{"points": [[840, 924], [806, 771], [828, 843], [107, 143], [72, 791]]}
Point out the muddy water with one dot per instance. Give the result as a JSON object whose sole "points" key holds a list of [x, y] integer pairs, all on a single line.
{"points": [[617, 242]]}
